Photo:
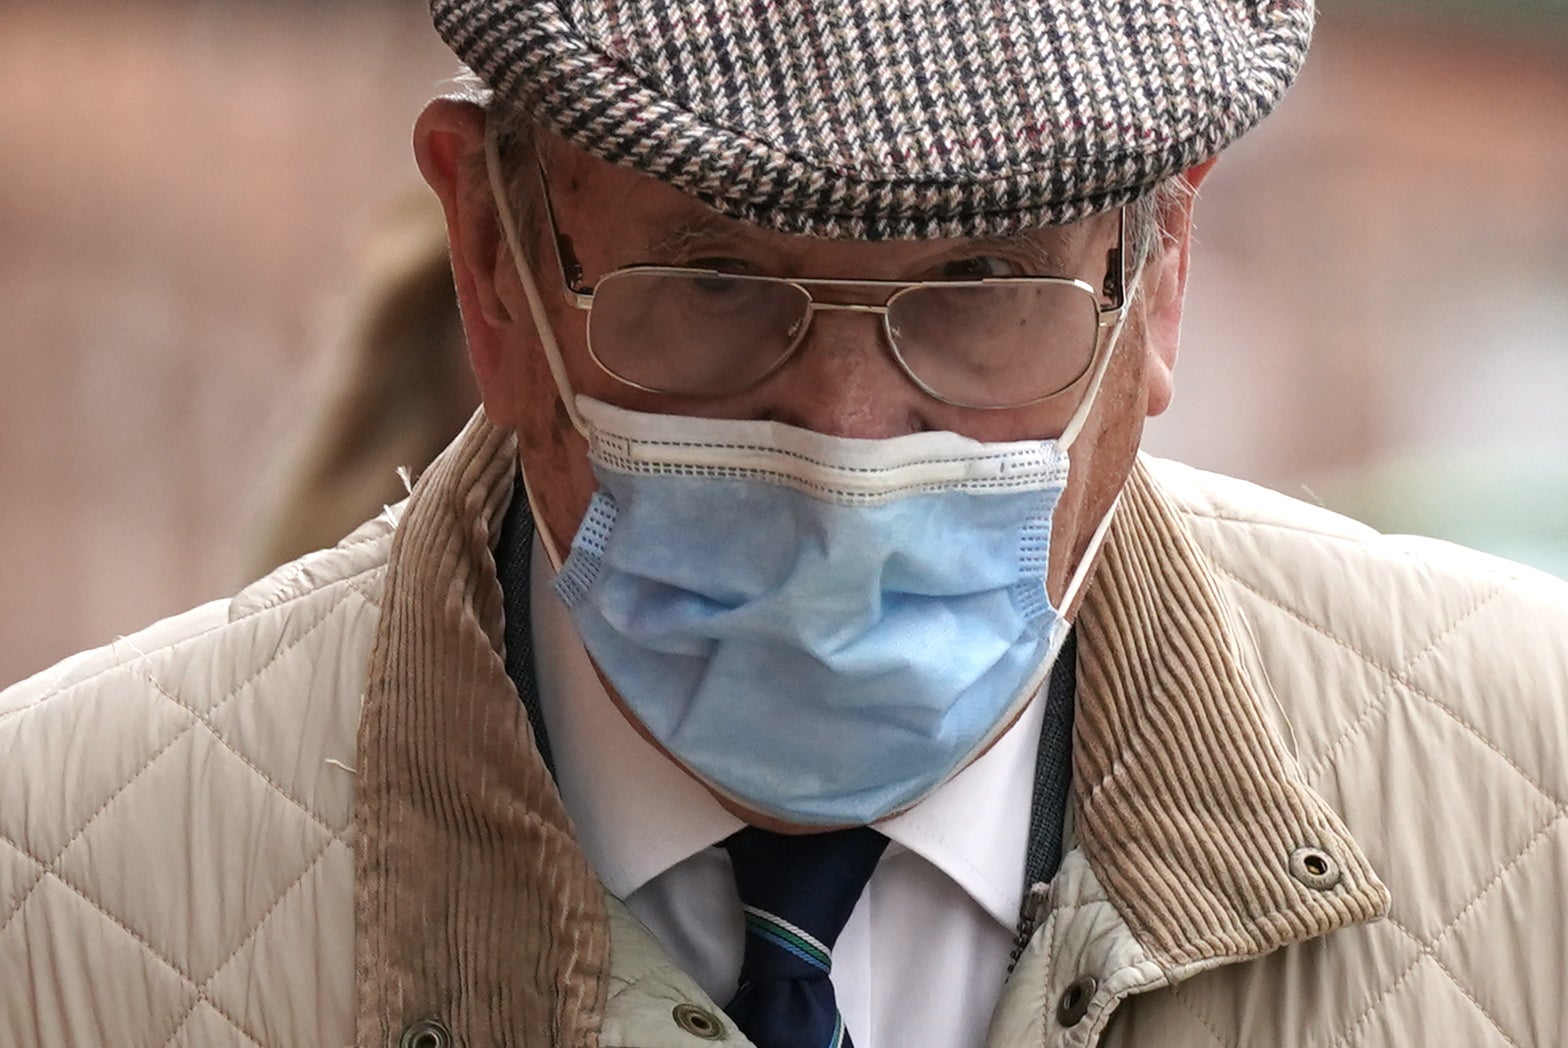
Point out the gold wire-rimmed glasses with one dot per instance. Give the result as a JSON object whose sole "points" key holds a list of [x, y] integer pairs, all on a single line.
{"points": [[989, 343]]}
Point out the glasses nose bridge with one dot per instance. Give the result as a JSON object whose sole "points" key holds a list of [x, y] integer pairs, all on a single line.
{"points": [[814, 305], [847, 307], [882, 292]]}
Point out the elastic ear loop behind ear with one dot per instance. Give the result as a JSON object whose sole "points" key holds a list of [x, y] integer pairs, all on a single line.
{"points": [[1075, 426], [552, 350], [525, 274], [1101, 366]]}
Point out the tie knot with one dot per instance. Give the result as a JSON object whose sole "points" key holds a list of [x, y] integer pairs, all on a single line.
{"points": [[798, 892]]}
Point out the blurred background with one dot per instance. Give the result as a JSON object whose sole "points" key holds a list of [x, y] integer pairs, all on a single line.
{"points": [[198, 198]]}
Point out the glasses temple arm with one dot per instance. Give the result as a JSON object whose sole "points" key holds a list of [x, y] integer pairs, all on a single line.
{"points": [[565, 255]]}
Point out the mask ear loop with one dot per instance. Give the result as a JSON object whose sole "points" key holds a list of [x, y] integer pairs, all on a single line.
{"points": [[552, 349], [525, 274], [1075, 426], [1091, 553], [1101, 366]]}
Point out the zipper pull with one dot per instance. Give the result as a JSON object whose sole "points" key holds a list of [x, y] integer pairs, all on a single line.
{"points": [[1034, 906]]}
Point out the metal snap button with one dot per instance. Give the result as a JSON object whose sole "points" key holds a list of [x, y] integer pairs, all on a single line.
{"points": [[426, 1033], [1074, 1002], [699, 1022], [1315, 868]]}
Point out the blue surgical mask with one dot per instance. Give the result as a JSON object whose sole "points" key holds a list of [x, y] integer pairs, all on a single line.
{"points": [[821, 629]]}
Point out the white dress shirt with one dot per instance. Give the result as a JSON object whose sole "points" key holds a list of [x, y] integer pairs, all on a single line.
{"points": [[924, 956]]}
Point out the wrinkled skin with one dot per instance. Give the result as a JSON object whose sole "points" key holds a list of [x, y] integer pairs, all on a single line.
{"points": [[842, 381]]}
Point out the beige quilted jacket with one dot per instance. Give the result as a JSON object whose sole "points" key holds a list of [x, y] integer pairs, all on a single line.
{"points": [[311, 815]]}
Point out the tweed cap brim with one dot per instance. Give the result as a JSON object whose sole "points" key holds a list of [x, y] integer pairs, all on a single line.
{"points": [[878, 119]]}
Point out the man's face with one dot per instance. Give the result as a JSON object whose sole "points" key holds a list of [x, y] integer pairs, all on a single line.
{"points": [[842, 380]]}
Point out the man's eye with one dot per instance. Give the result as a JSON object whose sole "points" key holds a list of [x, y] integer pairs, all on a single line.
{"points": [[738, 266], [718, 284], [715, 293], [980, 267]]}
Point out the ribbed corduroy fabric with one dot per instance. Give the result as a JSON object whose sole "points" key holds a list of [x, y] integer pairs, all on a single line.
{"points": [[475, 904], [1189, 808]]}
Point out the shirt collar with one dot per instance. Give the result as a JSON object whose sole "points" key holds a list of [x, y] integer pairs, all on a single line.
{"points": [[638, 814]]}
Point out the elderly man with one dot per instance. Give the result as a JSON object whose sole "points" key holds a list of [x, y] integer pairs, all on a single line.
{"points": [[796, 651]]}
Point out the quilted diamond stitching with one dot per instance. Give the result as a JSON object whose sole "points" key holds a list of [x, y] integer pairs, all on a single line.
{"points": [[328, 613], [20, 894], [130, 664], [196, 719], [49, 866], [203, 990], [156, 990], [315, 860], [1402, 677], [1427, 950], [68, 739], [206, 718], [291, 1005], [1473, 947], [1414, 776], [1363, 718], [1183, 993], [252, 735], [1454, 979], [190, 1017], [364, 591], [259, 773], [1397, 676], [185, 939], [1484, 740], [1421, 1009], [15, 711], [291, 592], [1379, 702], [146, 946], [50, 694], [1372, 1005], [1219, 516], [1179, 995]]}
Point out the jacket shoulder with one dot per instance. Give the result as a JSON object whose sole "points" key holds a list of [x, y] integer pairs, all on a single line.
{"points": [[1233, 519], [177, 806], [1390, 657], [1474, 630], [1423, 689]]}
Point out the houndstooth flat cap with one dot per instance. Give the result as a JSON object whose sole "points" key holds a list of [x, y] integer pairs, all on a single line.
{"points": [[878, 119]]}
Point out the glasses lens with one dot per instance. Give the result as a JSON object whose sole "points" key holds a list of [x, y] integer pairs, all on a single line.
{"points": [[995, 345], [693, 333]]}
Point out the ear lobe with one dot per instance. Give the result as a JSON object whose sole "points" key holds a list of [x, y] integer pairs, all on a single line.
{"points": [[1165, 284], [448, 143]]}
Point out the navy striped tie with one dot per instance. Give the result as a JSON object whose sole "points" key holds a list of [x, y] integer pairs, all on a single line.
{"points": [[797, 892]]}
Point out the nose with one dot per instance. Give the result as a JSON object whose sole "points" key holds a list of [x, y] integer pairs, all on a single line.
{"points": [[843, 381]]}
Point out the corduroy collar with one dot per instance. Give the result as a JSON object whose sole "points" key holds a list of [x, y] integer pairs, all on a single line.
{"points": [[476, 904], [1189, 805]]}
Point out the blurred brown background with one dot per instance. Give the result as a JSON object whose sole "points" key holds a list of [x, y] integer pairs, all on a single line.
{"points": [[1378, 317]]}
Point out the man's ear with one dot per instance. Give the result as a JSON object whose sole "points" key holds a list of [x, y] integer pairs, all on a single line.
{"points": [[449, 139], [1165, 288]]}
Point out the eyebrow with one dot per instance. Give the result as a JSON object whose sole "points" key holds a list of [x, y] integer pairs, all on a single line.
{"points": [[1043, 255], [1046, 257], [695, 227]]}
